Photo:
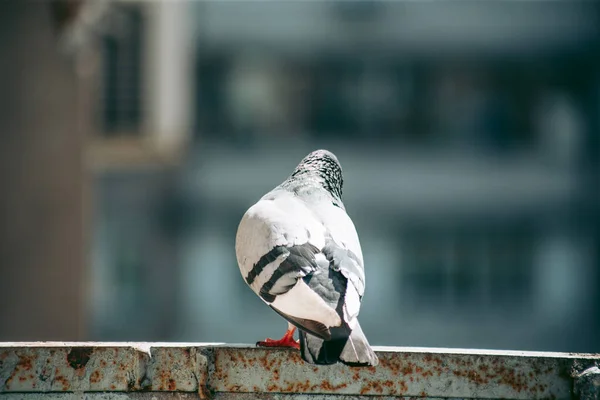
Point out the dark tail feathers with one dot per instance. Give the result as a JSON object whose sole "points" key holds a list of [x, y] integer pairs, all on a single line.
{"points": [[353, 350]]}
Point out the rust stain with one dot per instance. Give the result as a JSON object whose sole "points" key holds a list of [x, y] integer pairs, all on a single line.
{"points": [[172, 384], [272, 388], [63, 381], [24, 363], [78, 357], [372, 386], [294, 357], [408, 369], [500, 374], [266, 363], [95, 377], [403, 387], [325, 385], [377, 387], [302, 386]]}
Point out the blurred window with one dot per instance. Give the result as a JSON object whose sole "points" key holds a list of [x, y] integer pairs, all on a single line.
{"points": [[468, 268], [493, 106], [122, 57]]}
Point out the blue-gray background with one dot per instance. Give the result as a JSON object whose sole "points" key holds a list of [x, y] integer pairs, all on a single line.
{"points": [[467, 132]]}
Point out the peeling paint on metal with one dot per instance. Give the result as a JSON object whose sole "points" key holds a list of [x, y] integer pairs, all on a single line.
{"points": [[79, 356], [208, 371]]}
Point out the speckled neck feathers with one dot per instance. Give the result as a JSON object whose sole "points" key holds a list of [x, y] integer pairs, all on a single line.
{"points": [[321, 168]]}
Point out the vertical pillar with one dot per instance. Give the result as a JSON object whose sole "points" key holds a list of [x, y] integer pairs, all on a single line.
{"points": [[41, 180], [168, 74]]}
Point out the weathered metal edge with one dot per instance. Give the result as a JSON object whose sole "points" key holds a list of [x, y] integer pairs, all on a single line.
{"points": [[188, 396], [146, 346], [213, 368]]}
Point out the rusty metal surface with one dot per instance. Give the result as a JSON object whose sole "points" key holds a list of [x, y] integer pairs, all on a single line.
{"points": [[174, 371], [408, 373], [101, 367], [101, 396], [186, 396]]}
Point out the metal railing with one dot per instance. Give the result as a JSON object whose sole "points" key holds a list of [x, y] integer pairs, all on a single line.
{"points": [[89, 370]]}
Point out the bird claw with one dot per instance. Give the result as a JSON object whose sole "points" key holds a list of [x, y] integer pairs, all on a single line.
{"points": [[286, 341], [279, 343]]}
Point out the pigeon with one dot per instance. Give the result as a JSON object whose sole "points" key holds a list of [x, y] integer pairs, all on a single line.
{"points": [[299, 252]]}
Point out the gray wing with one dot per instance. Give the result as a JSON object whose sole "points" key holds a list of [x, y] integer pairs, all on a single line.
{"points": [[298, 262], [347, 262]]}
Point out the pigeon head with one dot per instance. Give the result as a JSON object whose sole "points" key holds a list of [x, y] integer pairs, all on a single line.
{"points": [[324, 167]]}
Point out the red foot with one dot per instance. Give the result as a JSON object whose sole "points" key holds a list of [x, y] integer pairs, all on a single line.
{"points": [[286, 341]]}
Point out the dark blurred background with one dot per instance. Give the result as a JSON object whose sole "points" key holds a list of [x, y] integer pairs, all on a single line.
{"points": [[134, 135]]}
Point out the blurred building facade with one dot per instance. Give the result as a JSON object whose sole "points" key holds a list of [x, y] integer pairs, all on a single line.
{"points": [[468, 134]]}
